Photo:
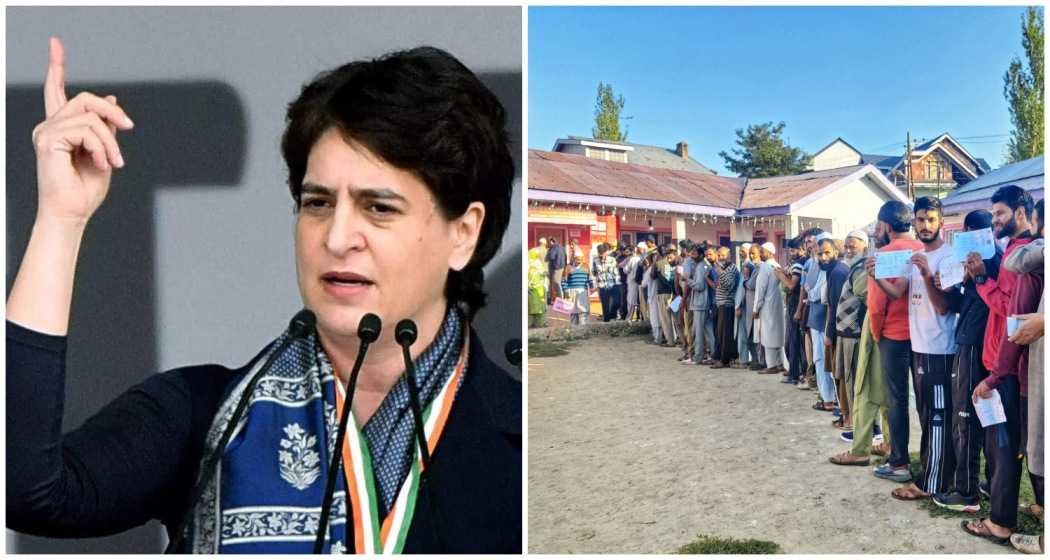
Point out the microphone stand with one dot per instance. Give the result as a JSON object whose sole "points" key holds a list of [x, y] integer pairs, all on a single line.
{"points": [[301, 325], [367, 331], [406, 333]]}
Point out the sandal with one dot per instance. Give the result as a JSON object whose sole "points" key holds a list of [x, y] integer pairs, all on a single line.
{"points": [[977, 528], [1028, 544], [1034, 510], [880, 449], [837, 423], [819, 405], [909, 493]]}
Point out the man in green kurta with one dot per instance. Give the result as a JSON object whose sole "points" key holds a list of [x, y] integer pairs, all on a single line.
{"points": [[870, 396]]}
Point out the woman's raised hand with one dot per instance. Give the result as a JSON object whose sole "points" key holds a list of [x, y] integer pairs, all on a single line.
{"points": [[76, 146]]}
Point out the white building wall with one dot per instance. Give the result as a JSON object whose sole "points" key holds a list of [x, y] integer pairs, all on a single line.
{"points": [[835, 156], [574, 149], [705, 232], [851, 207]]}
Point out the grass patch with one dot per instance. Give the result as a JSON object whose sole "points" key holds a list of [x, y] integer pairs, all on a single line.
{"points": [[705, 544], [1026, 522], [545, 349]]}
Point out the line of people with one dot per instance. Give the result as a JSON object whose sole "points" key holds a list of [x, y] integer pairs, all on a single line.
{"points": [[866, 344]]}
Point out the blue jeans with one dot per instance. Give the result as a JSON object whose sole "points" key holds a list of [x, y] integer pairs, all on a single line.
{"points": [[825, 383]]}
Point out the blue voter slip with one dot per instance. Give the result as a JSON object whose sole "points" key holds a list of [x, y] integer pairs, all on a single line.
{"points": [[980, 240], [892, 264]]}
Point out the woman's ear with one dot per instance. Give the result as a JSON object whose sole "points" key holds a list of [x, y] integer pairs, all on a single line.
{"points": [[464, 234]]}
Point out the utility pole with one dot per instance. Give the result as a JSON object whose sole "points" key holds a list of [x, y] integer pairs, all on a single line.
{"points": [[907, 167]]}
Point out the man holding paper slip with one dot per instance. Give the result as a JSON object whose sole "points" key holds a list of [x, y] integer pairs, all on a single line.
{"points": [[932, 334], [1011, 208], [969, 370], [889, 327]]}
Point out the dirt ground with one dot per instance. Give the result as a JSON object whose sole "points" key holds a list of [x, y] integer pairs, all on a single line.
{"points": [[630, 452]]}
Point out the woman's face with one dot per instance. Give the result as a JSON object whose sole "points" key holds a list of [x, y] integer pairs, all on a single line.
{"points": [[755, 254], [370, 238]]}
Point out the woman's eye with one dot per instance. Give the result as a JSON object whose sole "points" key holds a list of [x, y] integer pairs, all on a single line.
{"points": [[315, 203], [381, 209]]}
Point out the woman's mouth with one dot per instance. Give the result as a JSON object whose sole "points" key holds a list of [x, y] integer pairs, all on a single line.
{"points": [[345, 284]]}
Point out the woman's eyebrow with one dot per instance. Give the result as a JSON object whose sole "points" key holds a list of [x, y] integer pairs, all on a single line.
{"points": [[377, 193], [314, 188]]}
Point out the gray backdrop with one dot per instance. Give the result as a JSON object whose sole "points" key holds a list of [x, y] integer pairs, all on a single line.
{"points": [[190, 259]]}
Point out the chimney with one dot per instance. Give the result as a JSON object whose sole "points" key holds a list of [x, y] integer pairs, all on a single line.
{"points": [[682, 149]]}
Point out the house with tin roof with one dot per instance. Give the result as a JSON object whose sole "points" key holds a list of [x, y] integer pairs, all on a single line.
{"points": [[938, 166], [624, 152], [594, 200], [1028, 174]]}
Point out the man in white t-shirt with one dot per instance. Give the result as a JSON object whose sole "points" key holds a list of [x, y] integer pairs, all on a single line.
{"points": [[931, 325]]}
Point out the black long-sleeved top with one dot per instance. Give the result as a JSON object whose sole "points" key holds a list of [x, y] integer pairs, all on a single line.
{"points": [[138, 457], [973, 312]]}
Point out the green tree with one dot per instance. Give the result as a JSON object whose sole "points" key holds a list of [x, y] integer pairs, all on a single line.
{"points": [[607, 108], [1023, 89], [763, 153]]}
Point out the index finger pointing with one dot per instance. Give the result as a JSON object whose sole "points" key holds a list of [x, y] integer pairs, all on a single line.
{"points": [[55, 82]]}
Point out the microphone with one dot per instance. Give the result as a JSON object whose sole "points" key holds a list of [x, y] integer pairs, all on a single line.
{"points": [[405, 334], [512, 350], [302, 324], [368, 332]]}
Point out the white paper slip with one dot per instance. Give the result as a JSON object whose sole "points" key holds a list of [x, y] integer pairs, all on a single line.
{"points": [[981, 241], [675, 304], [892, 264], [1012, 324], [951, 273], [990, 411]]}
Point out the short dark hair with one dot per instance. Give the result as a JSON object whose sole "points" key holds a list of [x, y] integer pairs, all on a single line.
{"points": [[1039, 210], [928, 203], [897, 215], [811, 232], [795, 242], [978, 219], [423, 111], [1015, 197]]}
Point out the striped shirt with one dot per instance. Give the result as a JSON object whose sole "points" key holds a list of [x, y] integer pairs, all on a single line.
{"points": [[577, 279], [605, 272]]}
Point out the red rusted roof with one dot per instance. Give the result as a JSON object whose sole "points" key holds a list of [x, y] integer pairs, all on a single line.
{"points": [[771, 192], [571, 173], [555, 171]]}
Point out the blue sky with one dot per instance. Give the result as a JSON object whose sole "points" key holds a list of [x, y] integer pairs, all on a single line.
{"points": [[867, 74]]}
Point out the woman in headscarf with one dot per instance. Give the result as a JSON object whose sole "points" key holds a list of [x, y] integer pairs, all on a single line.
{"points": [[537, 288]]}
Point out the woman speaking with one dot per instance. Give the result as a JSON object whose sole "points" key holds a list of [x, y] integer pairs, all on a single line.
{"points": [[374, 423]]}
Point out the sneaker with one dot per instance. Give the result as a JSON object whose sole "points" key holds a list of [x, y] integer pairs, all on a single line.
{"points": [[846, 437], [803, 386], [688, 362], [878, 431], [836, 412], [896, 474], [984, 490], [957, 502]]}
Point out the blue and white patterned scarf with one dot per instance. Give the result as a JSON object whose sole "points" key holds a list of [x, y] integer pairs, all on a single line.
{"points": [[271, 478]]}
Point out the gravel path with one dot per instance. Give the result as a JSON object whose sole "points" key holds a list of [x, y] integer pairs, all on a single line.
{"points": [[630, 452]]}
